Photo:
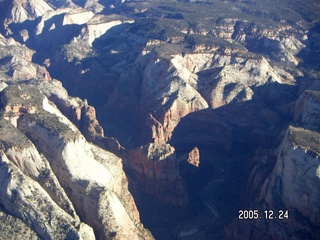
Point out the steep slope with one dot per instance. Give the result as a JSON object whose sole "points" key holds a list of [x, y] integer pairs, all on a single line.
{"points": [[164, 75], [31, 192], [290, 188], [93, 184], [31, 168], [16, 62], [21, 11], [286, 180]]}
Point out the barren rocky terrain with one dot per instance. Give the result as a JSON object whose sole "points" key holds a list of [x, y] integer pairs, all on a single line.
{"points": [[159, 119]]}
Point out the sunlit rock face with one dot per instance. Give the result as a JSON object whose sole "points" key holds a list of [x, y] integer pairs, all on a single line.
{"points": [[286, 180], [100, 25], [222, 78], [16, 62], [69, 176], [21, 10], [298, 168], [272, 41], [168, 94], [290, 188], [12, 227], [167, 89]]}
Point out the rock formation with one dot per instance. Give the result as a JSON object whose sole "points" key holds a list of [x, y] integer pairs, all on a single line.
{"points": [[20, 11], [285, 180], [194, 157], [289, 187], [236, 81], [93, 185], [156, 171]]}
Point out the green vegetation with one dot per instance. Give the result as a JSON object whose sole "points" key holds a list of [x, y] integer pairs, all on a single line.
{"points": [[207, 14], [52, 123], [28, 100], [24, 95], [75, 52], [309, 140], [10, 136], [166, 51], [185, 26], [158, 28]]}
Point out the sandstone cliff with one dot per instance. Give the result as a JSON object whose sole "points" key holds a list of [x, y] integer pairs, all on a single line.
{"points": [[291, 186], [286, 179], [54, 175], [20, 11], [168, 85], [16, 62]]}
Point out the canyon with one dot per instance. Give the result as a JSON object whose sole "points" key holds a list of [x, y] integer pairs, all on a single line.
{"points": [[159, 120]]}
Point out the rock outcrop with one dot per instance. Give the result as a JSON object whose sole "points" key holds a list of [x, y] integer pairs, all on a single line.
{"points": [[286, 180], [93, 185], [307, 110], [291, 187], [16, 62], [169, 85], [100, 25], [156, 172], [31, 192], [194, 157], [12, 227], [21, 11]]}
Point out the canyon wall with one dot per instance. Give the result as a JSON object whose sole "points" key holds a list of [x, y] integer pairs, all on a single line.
{"points": [[52, 177]]}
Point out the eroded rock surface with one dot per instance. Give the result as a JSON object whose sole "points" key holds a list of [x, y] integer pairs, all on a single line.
{"points": [[55, 176]]}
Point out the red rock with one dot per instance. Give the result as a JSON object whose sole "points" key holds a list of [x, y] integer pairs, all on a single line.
{"points": [[194, 157]]}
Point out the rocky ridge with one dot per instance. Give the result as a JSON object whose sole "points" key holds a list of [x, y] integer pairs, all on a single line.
{"points": [[89, 182], [28, 171], [289, 187]]}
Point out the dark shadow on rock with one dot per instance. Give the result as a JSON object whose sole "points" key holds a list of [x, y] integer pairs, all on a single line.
{"points": [[228, 137], [109, 36], [48, 41], [311, 54], [53, 35], [238, 124]]}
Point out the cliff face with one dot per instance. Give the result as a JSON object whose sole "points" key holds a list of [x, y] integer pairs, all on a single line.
{"points": [[53, 176], [174, 75], [21, 10], [16, 62], [156, 171], [286, 180], [297, 163], [291, 187], [307, 110], [31, 191]]}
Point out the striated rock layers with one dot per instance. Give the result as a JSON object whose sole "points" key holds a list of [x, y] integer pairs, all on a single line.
{"points": [[21, 10], [16, 62], [168, 83], [150, 75], [156, 171], [51, 177], [291, 183], [291, 186], [172, 89]]}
